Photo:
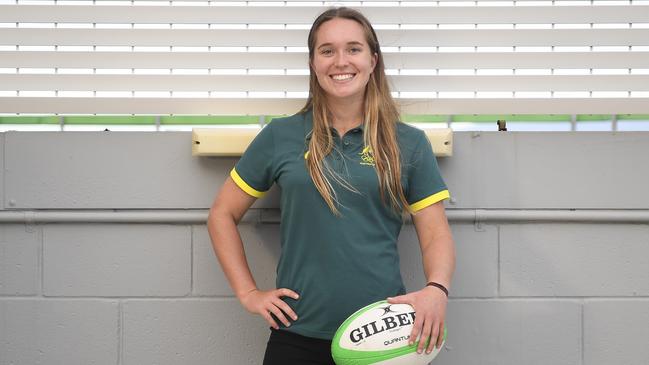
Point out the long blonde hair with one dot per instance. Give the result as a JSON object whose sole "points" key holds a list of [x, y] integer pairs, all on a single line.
{"points": [[379, 132]]}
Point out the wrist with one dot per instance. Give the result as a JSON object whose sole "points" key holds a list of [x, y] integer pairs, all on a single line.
{"points": [[438, 286], [243, 294]]}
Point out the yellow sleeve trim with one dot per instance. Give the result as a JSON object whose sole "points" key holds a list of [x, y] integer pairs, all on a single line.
{"points": [[444, 194], [245, 187]]}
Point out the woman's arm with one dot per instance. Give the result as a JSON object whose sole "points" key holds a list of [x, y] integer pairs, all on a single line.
{"points": [[438, 255], [228, 208], [436, 242]]}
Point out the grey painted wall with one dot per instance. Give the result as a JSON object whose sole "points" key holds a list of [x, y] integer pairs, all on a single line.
{"points": [[523, 293]]}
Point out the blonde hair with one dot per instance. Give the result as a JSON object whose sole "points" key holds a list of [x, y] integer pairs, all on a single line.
{"points": [[380, 118]]}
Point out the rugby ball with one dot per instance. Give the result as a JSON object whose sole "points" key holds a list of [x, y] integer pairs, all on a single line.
{"points": [[378, 334]]}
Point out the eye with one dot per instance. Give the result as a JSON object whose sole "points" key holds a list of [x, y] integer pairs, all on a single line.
{"points": [[326, 52], [355, 50]]}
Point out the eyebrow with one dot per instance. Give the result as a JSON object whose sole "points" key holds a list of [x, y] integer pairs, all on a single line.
{"points": [[348, 43]]}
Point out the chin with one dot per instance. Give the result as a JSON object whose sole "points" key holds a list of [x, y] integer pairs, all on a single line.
{"points": [[343, 94]]}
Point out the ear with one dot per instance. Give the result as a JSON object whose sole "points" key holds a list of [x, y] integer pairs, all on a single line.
{"points": [[375, 58]]}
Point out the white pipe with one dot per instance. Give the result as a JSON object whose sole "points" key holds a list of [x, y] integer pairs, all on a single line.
{"points": [[199, 216]]}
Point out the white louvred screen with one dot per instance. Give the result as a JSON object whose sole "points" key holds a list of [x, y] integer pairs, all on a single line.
{"points": [[250, 58]]}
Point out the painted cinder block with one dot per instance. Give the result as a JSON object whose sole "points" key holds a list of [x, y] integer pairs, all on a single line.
{"points": [[574, 260], [476, 273], [116, 260], [58, 331], [476, 249], [20, 247], [577, 170], [616, 331], [519, 170], [512, 332], [261, 244], [192, 331], [461, 172], [543, 170], [2, 171], [135, 170]]}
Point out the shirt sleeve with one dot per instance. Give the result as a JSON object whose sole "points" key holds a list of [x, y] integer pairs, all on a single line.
{"points": [[425, 183], [254, 173]]}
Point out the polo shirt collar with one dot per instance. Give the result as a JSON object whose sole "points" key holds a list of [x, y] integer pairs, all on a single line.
{"points": [[308, 127]]}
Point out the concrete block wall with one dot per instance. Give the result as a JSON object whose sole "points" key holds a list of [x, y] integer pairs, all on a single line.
{"points": [[127, 293]]}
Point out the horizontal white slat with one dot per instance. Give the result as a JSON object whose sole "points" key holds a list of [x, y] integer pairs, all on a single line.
{"points": [[337, 3], [521, 83], [526, 106], [297, 37], [306, 14], [292, 83], [234, 83], [517, 60], [205, 106], [151, 106], [443, 2], [343, 2], [204, 60], [290, 60]]}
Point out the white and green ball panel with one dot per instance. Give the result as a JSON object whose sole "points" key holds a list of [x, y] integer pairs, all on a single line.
{"points": [[364, 351]]}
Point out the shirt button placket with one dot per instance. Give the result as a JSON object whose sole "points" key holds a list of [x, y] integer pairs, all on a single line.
{"points": [[345, 148], [337, 158]]}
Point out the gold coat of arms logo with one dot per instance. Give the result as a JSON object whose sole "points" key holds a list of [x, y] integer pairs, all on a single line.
{"points": [[367, 158]]}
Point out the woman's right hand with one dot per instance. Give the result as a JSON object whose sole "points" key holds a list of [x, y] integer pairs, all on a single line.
{"points": [[266, 302]]}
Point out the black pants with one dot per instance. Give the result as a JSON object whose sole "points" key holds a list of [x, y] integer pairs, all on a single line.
{"points": [[287, 348]]}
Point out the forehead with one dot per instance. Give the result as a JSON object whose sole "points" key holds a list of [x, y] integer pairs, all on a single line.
{"points": [[340, 31]]}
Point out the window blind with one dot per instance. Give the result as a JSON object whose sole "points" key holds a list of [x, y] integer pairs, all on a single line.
{"points": [[250, 58]]}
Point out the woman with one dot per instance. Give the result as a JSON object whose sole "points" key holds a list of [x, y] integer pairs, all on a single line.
{"points": [[347, 170]]}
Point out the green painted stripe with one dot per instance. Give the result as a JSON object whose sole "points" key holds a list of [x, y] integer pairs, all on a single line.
{"points": [[492, 118], [593, 117], [424, 118], [109, 120], [209, 120], [633, 117], [29, 120]]}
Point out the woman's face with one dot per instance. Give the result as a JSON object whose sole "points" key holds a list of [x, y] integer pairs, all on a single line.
{"points": [[342, 59]]}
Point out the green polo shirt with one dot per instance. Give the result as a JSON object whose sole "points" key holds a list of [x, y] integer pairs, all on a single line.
{"points": [[336, 264]]}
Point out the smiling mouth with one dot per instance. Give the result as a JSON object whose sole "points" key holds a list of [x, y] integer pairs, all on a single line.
{"points": [[343, 77]]}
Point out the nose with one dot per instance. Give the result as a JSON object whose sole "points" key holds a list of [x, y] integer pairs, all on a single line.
{"points": [[340, 59]]}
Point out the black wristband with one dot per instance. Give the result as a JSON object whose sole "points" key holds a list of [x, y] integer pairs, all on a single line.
{"points": [[440, 286]]}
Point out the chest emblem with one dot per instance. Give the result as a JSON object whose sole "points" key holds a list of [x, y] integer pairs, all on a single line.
{"points": [[367, 158]]}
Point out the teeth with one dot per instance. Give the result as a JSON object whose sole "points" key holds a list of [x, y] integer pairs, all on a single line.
{"points": [[342, 77]]}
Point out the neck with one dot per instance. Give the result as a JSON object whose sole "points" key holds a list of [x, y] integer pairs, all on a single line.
{"points": [[347, 113]]}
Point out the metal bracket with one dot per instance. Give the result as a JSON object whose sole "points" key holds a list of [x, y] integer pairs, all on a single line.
{"points": [[30, 222], [478, 224], [573, 122], [502, 125]]}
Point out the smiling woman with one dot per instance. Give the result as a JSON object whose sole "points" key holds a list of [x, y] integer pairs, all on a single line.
{"points": [[342, 42], [348, 170], [343, 63]]}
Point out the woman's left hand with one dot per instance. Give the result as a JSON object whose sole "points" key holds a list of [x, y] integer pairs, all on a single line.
{"points": [[430, 311]]}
